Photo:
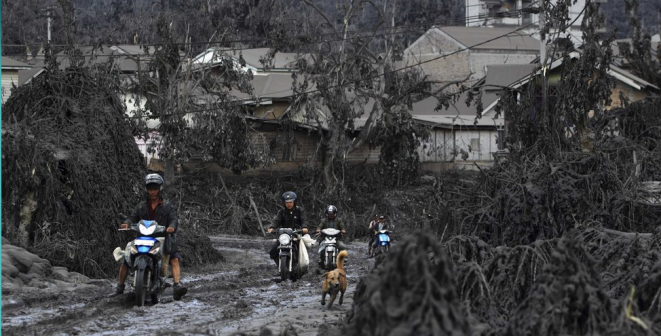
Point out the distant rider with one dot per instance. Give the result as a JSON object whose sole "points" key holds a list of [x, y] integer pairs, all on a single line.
{"points": [[370, 228], [291, 216], [330, 222], [164, 213], [381, 225]]}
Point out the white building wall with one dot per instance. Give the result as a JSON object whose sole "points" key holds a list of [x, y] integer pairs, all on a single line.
{"points": [[8, 77]]}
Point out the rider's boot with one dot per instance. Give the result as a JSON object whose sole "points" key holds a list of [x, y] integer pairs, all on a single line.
{"points": [[178, 291], [119, 290]]}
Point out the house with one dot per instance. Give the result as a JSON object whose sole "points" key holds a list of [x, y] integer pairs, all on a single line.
{"points": [[255, 59], [293, 139], [493, 13], [457, 134], [524, 14], [10, 69], [449, 54]]}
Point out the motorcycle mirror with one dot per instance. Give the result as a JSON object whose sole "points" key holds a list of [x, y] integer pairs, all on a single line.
{"points": [[123, 216]]}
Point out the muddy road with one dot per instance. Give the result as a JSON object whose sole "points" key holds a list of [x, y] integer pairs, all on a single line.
{"points": [[241, 294]]}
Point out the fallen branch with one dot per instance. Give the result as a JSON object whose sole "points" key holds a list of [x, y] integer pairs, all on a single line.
{"points": [[254, 206]]}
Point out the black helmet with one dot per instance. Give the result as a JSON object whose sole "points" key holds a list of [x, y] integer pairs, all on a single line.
{"points": [[288, 196], [331, 210]]}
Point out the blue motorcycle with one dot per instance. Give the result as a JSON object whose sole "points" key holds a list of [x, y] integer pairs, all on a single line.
{"points": [[382, 242], [143, 256]]}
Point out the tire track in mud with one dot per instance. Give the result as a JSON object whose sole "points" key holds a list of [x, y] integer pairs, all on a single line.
{"points": [[241, 294]]}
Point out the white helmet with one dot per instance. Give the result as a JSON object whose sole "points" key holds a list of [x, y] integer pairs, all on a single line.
{"points": [[154, 179]]}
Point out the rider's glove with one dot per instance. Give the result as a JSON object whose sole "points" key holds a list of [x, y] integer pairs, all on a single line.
{"points": [[170, 229], [305, 230], [269, 230], [123, 226]]}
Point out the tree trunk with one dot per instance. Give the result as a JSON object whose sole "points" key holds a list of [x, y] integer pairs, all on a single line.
{"points": [[169, 171], [27, 210]]}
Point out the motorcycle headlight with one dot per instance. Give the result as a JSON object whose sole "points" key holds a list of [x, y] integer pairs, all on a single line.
{"points": [[134, 250], [147, 231], [155, 250], [284, 239]]}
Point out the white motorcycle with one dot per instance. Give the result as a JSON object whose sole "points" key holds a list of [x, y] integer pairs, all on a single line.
{"points": [[329, 248]]}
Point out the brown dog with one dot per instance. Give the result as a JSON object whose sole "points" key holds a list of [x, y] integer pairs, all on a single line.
{"points": [[335, 281]]}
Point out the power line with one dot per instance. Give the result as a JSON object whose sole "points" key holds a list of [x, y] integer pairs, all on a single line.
{"points": [[241, 101], [393, 31]]}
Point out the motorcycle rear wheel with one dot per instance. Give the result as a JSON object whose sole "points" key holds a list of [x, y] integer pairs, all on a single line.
{"points": [[284, 268]]}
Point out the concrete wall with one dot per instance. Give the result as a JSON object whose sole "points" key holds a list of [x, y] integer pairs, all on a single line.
{"points": [[457, 66], [432, 45]]}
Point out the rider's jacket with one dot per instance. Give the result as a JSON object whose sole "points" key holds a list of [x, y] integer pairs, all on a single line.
{"points": [[336, 223], [290, 218]]}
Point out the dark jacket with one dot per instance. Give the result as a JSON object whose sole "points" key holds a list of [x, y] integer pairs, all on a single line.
{"points": [[290, 218], [386, 226], [337, 223], [165, 214]]}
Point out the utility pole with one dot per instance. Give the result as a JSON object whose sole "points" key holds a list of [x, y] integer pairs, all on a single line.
{"points": [[542, 52], [50, 14], [50, 18]]}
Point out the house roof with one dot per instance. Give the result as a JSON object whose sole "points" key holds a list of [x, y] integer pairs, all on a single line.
{"points": [[281, 61], [126, 56], [506, 38], [631, 79], [503, 75], [459, 114], [25, 76], [271, 85], [12, 64]]}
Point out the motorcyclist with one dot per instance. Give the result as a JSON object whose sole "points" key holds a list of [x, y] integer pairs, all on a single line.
{"points": [[330, 222], [380, 225], [370, 228], [291, 216], [164, 213]]}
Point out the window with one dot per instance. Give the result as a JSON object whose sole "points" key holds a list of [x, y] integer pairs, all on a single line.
{"points": [[475, 144]]}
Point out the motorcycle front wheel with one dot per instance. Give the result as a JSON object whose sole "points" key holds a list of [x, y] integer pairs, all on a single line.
{"points": [[141, 279], [284, 268], [330, 262]]}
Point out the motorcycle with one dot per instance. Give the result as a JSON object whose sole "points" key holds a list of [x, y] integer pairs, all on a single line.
{"points": [[143, 256], [330, 248], [382, 242], [288, 253]]}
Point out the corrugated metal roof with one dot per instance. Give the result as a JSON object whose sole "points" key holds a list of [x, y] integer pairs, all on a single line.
{"points": [[503, 75], [8, 63], [272, 85], [458, 114], [281, 60], [492, 38]]}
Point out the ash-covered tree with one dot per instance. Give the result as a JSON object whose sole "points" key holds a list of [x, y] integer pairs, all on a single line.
{"points": [[196, 112], [69, 162], [347, 73], [560, 121], [639, 53]]}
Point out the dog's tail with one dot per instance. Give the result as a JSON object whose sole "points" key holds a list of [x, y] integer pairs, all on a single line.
{"points": [[340, 259]]}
